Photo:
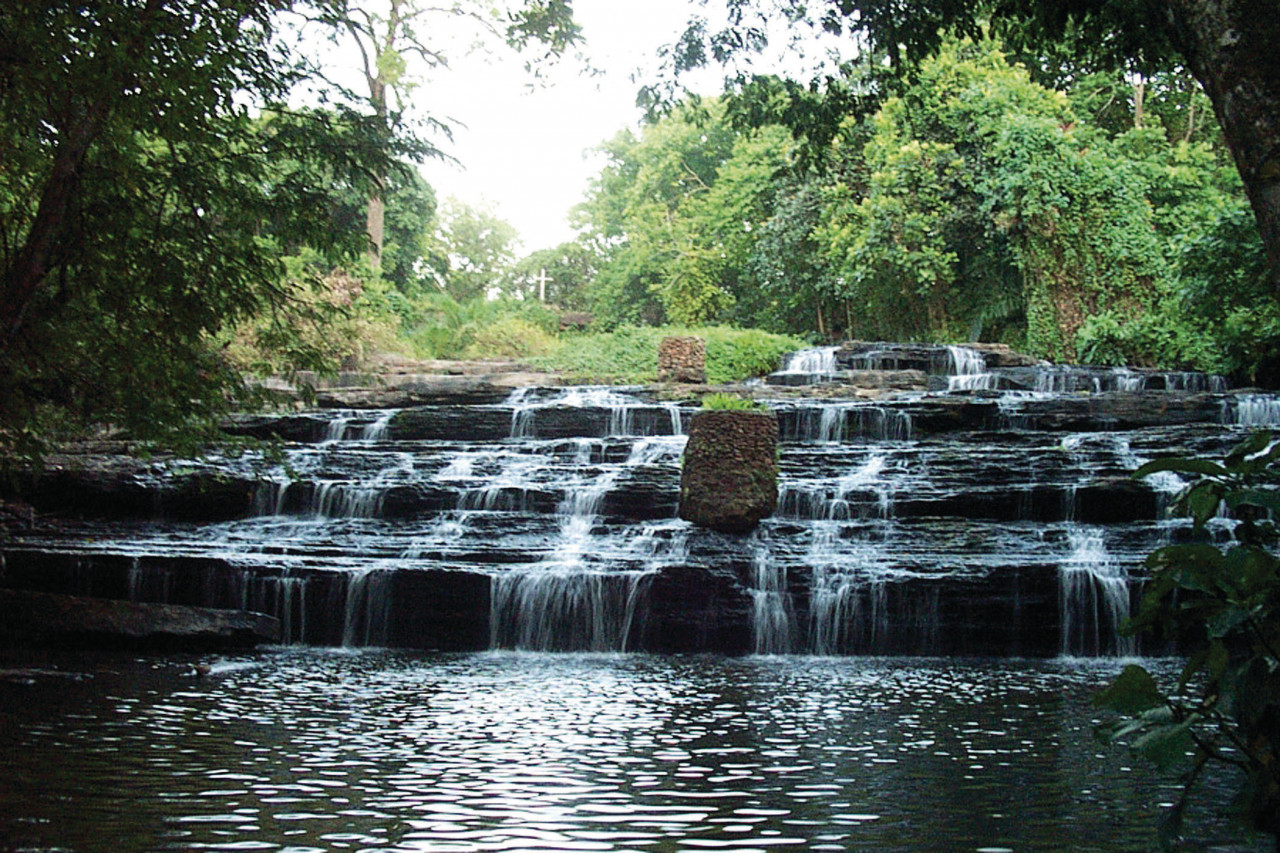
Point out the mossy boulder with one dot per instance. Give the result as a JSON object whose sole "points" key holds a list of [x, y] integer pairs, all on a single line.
{"points": [[730, 476]]}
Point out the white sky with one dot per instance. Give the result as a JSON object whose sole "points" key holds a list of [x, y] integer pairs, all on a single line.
{"points": [[523, 151]]}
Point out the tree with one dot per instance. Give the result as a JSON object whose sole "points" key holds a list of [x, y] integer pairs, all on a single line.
{"points": [[984, 201], [474, 248], [1228, 45], [143, 205], [677, 211], [389, 35], [558, 276]]}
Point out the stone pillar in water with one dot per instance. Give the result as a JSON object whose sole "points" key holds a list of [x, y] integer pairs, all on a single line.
{"points": [[682, 359], [729, 479]]}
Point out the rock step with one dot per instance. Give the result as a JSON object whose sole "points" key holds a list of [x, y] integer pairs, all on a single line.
{"points": [[47, 619], [1012, 610]]}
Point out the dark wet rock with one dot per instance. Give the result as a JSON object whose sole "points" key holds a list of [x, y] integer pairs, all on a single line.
{"points": [[647, 493], [439, 610], [697, 609], [44, 619], [853, 381], [125, 487], [1114, 411], [1002, 355], [730, 476], [863, 355]]}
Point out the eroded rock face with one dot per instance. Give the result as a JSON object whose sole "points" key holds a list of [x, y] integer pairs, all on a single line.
{"points": [[730, 476]]}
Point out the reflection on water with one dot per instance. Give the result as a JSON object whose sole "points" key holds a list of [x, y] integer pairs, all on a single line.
{"points": [[320, 750]]}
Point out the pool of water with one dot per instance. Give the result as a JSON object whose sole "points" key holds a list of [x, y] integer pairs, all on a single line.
{"points": [[307, 749]]}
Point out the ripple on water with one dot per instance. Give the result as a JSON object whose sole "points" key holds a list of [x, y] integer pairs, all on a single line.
{"points": [[306, 749]]}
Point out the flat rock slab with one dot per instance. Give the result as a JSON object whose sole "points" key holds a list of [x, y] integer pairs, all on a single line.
{"points": [[45, 619], [425, 389]]}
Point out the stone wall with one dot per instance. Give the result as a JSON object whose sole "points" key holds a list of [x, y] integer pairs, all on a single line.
{"points": [[682, 359]]}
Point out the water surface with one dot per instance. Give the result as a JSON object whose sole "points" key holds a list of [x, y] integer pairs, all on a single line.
{"points": [[307, 749]]}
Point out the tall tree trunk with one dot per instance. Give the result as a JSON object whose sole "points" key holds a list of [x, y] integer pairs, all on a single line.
{"points": [[1231, 48], [375, 216]]}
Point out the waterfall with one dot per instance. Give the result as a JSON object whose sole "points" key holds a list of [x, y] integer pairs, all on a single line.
{"points": [[377, 429], [968, 371], [367, 609], [906, 523], [847, 614], [565, 602], [1093, 597], [773, 620], [559, 611], [285, 597], [837, 422], [819, 362], [848, 593], [966, 361], [336, 430], [1257, 410]]}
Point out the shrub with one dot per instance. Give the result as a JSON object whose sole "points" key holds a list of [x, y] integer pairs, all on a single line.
{"points": [[510, 337], [731, 403]]}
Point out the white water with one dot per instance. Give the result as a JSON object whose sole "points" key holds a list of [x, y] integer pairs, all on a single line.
{"points": [[773, 620], [368, 607], [1257, 410], [819, 362], [571, 599], [1094, 597]]}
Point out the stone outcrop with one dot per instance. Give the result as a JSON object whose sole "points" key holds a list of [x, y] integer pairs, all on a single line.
{"points": [[730, 476], [682, 359], [37, 618]]}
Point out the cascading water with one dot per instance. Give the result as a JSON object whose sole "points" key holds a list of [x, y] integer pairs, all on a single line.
{"points": [[571, 599], [929, 523], [773, 621], [1256, 410], [1094, 598], [809, 365]]}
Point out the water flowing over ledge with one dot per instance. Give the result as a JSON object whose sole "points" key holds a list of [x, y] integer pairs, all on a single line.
{"points": [[989, 512]]}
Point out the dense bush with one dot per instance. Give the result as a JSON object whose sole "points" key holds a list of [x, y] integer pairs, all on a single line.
{"points": [[510, 337]]}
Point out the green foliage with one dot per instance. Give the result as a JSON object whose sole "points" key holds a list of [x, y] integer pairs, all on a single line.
{"points": [[472, 250], [144, 209], [731, 403], [630, 353], [676, 211], [511, 337], [561, 274], [1226, 299], [436, 325], [1224, 601]]}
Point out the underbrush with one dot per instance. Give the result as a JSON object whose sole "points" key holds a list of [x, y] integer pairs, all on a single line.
{"points": [[630, 354]]}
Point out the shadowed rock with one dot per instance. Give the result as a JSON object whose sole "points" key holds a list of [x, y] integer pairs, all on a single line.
{"points": [[37, 618]]}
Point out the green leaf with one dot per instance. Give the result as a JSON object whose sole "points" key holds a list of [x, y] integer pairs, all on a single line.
{"points": [[1268, 499], [1255, 443], [1133, 692], [1166, 745], [1184, 466], [1202, 502]]}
